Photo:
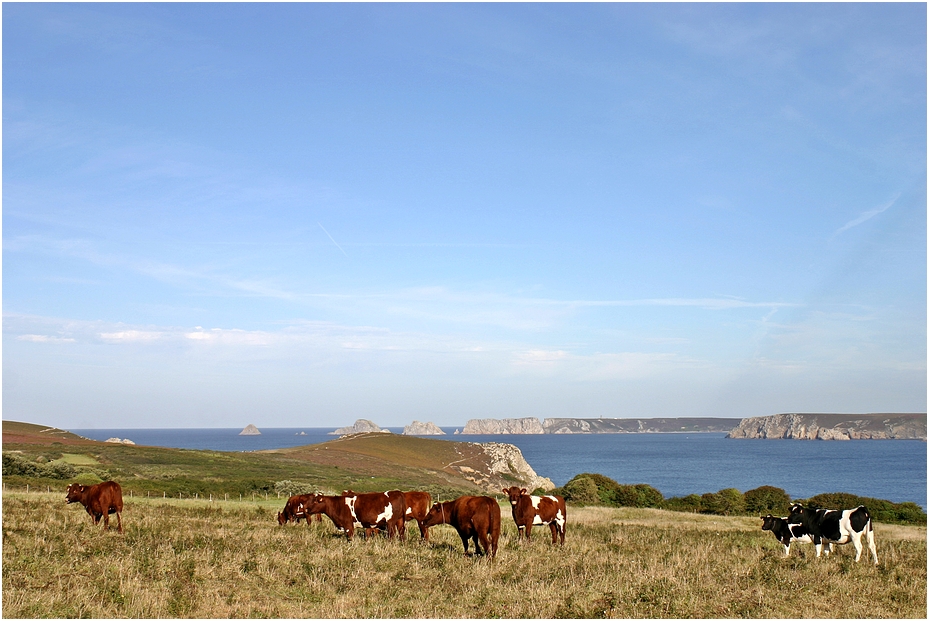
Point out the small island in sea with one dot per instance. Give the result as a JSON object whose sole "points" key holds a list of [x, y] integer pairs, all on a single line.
{"points": [[250, 430]]}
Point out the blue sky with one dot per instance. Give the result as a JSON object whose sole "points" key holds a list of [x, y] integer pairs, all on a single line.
{"points": [[301, 215]]}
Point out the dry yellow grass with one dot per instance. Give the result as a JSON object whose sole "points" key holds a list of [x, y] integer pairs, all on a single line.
{"points": [[196, 559]]}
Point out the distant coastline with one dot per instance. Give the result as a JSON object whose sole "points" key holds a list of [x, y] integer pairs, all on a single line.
{"points": [[794, 426]]}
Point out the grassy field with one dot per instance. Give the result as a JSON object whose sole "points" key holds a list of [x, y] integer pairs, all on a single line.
{"points": [[188, 558]]}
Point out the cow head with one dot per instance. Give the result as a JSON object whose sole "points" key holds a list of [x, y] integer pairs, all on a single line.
{"points": [[514, 493], [438, 514], [767, 522], [75, 493], [281, 519], [797, 513]]}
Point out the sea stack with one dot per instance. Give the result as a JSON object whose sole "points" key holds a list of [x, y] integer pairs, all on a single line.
{"points": [[417, 428], [362, 425], [250, 430]]}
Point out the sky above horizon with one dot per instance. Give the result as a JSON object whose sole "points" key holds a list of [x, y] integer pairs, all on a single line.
{"points": [[305, 214]]}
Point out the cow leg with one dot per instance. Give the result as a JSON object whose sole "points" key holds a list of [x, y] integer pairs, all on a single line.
{"points": [[528, 530], [818, 544], [786, 549], [119, 523], [554, 528], [464, 541], [423, 531], [856, 541], [827, 548], [871, 547]]}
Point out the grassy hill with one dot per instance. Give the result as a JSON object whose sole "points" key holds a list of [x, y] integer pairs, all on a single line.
{"points": [[364, 462]]}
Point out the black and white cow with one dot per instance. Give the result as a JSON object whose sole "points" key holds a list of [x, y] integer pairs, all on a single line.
{"points": [[788, 533], [833, 526]]}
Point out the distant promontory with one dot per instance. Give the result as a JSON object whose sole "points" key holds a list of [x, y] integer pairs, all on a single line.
{"points": [[833, 427], [532, 425]]}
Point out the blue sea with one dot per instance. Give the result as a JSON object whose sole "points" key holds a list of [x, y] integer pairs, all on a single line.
{"points": [[676, 464]]}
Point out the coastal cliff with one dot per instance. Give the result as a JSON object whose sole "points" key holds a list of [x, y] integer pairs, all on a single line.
{"points": [[532, 425], [500, 465], [493, 426], [833, 427], [637, 425]]}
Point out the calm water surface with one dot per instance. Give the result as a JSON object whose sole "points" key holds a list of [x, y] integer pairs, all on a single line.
{"points": [[675, 464]]}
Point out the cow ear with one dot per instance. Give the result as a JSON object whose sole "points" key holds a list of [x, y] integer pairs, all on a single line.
{"points": [[523, 491], [506, 491]]}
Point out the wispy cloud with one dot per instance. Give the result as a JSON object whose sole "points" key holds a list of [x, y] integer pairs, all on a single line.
{"points": [[330, 237], [44, 338], [868, 215]]}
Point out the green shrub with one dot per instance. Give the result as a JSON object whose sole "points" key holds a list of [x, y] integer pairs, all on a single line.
{"points": [[289, 488], [767, 499], [639, 495], [14, 465], [690, 503], [731, 501], [582, 490]]}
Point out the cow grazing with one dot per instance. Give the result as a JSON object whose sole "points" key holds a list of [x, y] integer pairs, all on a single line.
{"points": [[294, 510], [99, 500], [474, 517], [529, 511], [833, 526], [787, 533], [417, 506], [384, 510]]}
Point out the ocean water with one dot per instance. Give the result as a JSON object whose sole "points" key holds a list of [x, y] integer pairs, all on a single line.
{"points": [[675, 464]]}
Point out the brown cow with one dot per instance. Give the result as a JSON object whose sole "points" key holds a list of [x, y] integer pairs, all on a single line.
{"points": [[376, 510], [535, 510], [417, 506], [474, 517], [100, 500], [294, 510]]}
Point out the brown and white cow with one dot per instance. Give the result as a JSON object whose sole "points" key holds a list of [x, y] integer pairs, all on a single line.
{"points": [[294, 510], [99, 500], [474, 517], [417, 506], [384, 510], [529, 511]]}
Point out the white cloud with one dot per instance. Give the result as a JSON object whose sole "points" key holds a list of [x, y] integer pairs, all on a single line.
{"points": [[868, 215], [43, 338], [133, 336]]}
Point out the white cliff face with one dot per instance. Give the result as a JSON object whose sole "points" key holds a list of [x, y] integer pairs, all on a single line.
{"points": [[417, 428], [833, 427], [503, 465], [492, 426], [506, 459]]}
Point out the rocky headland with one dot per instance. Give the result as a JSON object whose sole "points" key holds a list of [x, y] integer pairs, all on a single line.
{"points": [[833, 427], [362, 425], [417, 428]]}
